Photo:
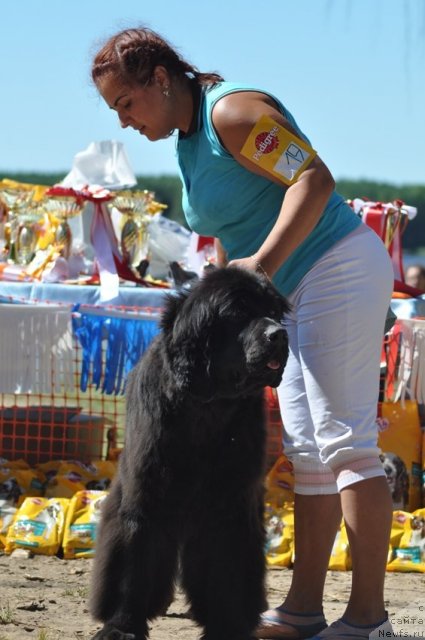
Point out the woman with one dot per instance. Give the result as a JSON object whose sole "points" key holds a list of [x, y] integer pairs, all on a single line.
{"points": [[252, 180]]}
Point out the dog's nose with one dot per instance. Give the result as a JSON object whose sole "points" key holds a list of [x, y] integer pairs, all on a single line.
{"points": [[275, 334]]}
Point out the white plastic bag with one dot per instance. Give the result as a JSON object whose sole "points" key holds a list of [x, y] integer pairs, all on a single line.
{"points": [[168, 242], [103, 163]]}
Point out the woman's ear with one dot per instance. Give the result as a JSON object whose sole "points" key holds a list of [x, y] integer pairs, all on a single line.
{"points": [[161, 77]]}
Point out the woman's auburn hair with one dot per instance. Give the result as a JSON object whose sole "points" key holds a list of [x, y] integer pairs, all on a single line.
{"points": [[133, 54]]}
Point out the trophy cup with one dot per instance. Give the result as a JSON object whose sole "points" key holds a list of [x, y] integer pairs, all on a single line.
{"points": [[27, 236], [62, 204], [133, 205], [21, 216]]}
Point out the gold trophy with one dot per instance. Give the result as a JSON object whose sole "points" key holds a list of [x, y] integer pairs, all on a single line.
{"points": [[134, 237], [61, 205], [21, 217]]}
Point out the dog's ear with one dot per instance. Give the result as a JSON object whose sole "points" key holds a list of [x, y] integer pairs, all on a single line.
{"points": [[173, 303], [188, 347]]}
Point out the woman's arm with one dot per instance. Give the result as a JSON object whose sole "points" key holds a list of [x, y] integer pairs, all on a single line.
{"points": [[233, 117], [221, 254]]}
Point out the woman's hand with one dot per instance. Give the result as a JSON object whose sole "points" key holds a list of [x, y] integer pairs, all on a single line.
{"points": [[243, 263], [251, 264]]}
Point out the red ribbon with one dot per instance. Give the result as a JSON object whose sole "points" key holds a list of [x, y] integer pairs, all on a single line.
{"points": [[103, 237]]}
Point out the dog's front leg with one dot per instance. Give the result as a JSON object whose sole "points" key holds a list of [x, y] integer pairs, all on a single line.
{"points": [[134, 569], [115, 591]]}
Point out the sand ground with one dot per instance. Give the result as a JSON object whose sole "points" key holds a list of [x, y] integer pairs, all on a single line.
{"points": [[46, 598]]}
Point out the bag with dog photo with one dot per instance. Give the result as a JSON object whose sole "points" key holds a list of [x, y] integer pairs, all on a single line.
{"points": [[397, 529], [279, 526], [38, 526], [81, 524], [400, 440], [410, 554]]}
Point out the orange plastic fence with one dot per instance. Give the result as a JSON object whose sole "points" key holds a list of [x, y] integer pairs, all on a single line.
{"points": [[90, 425], [69, 424]]}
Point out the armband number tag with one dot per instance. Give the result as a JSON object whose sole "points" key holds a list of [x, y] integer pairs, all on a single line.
{"points": [[277, 150]]}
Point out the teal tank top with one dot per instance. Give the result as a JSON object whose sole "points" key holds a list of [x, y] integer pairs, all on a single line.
{"points": [[223, 199]]}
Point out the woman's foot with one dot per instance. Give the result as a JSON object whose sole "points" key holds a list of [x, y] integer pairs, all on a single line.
{"points": [[279, 623]]}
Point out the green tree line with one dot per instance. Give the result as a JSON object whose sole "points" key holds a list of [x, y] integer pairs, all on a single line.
{"points": [[167, 189]]}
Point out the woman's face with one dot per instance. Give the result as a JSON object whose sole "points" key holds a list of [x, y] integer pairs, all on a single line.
{"points": [[143, 108]]}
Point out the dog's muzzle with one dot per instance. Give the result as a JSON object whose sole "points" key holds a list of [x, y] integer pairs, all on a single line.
{"points": [[276, 335]]}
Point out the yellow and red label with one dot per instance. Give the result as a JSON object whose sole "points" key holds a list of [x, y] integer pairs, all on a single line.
{"points": [[277, 150]]}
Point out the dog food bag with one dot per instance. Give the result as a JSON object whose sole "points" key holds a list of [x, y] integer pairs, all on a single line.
{"points": [[340, 559], [73, 476], [101, 474], [400, 440], [410, 554], [81, 524], [14, 464], [423, 468], [8, 511], [38, 525], [280, 482], [49, 469], [279, 526], [17, 484], [70, 477], [397, 530]]}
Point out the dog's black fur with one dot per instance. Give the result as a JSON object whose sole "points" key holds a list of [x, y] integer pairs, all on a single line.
{"points": [[189, 491]]}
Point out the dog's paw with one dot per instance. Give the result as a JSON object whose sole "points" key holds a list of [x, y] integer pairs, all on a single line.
{"points": [[112, 633]]}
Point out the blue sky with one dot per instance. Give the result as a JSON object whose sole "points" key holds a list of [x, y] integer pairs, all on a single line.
{"points": [[351, 72]]}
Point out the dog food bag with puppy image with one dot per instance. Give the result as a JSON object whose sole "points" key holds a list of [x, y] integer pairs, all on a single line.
{"points": [[400, 440], [279, 526], [81, 524], [397, 530], [17, 484], [73, 476], [38, 525], [410, 554]]}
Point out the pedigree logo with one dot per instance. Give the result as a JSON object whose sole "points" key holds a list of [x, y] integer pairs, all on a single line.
{"points": [[266, 142], [382, 424]]}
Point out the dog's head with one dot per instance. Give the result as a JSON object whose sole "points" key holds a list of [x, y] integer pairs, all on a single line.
{"points": [[418, 524], [397, 476], [101, 484], [10, 490], [225, 337]]}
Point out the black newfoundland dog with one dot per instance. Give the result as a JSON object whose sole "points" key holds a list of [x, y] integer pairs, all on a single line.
{"points": [[188, 496]]}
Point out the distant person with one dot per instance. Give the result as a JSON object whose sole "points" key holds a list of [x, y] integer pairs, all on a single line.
{"points": [[252, 180], [414, 276]]}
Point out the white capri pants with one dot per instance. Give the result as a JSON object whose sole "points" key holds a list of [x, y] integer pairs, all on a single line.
{"points": [[330, 387]]}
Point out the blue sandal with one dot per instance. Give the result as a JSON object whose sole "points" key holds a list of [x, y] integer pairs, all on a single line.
{"points": [[279, 623], [341, 630]]}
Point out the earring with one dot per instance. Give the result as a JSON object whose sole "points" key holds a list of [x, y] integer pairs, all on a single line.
{"points": [[166, 92]]}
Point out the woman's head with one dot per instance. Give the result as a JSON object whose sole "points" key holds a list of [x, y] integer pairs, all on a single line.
{"points": [[132, 55], [142, 77]]}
